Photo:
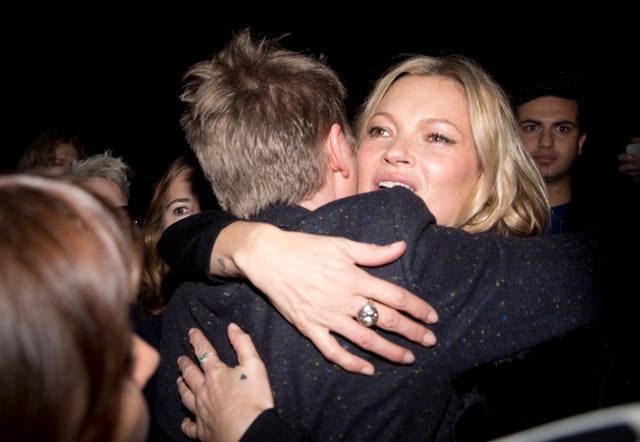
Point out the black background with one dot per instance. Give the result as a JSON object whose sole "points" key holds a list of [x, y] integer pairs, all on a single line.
{"points": [[112, 75]]}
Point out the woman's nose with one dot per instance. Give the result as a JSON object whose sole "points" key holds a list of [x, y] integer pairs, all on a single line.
{"points": [[398, 153]]}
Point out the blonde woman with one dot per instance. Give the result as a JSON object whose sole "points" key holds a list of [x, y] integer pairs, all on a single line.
{"points": [[441, 127], [256, 113]]}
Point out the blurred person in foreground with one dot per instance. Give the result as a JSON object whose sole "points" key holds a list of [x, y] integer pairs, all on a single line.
{"points": [[72, 368]]}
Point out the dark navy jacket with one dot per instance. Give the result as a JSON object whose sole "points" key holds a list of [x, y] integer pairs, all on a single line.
{"points": [[494, 296]]}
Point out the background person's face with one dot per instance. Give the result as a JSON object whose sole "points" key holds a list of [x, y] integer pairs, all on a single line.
{"points": [[420, 136], [549, 129], [181, 200]]}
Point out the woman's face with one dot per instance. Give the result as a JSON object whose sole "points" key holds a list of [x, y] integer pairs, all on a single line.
{"points": [[420, 137], [64, 154], [134, 414], [181, 200]]}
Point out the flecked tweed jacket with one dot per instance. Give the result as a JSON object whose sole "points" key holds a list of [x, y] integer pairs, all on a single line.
{"points": [[494, 296]]}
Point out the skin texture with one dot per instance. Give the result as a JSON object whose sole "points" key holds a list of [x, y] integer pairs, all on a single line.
{"points": [[65, 154], [630, 163], [107, 189], [421, 137], [180, 200], [134, 421], [550, 130], [247, 383]]}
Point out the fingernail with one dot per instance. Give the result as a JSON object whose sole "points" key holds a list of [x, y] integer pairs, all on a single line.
{"points": [[432, 317], [408, 358], [429, 339], [367, 370]]}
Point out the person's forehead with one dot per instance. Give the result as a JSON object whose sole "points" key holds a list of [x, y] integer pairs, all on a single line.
{"points": [[108, 190], [549, 107]]}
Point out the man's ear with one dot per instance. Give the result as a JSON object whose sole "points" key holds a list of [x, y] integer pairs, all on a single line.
{"points": [[340, 151], [581, 141]]}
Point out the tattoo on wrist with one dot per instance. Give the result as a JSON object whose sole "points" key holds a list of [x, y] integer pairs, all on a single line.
{"points": [[221, 264], [243, 377]]}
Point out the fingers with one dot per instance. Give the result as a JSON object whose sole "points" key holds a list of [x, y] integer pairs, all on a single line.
{"points": [[334, 352], [202, 348], [189, 371], [189, 428], [368, 339], [391, 320], [186, 395], [242, 344], [628, 157], [191, 374], [373, 254], [384, 291], [394, 296]]}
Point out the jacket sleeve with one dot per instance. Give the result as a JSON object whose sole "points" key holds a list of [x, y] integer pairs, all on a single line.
{"points": [[270, 427], [186, 245]]}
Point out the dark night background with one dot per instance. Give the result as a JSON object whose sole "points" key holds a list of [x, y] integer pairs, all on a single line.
{"points": [[113, 76]]}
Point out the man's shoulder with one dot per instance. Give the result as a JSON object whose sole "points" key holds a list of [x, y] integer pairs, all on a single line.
{"points": [[377, 217], [397, 200], [192, 294]]}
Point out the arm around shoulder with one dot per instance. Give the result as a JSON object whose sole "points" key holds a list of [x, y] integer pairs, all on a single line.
{"points": [[186, 245]]}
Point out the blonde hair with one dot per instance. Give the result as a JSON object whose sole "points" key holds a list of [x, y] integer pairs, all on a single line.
{"points": [[510, 197], [257, 116]]}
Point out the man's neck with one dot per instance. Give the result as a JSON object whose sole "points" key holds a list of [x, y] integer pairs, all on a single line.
{"points": [[559, 192], [326, 195]]}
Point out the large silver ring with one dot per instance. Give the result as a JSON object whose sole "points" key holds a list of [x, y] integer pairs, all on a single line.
{"points": [[368, 315]]}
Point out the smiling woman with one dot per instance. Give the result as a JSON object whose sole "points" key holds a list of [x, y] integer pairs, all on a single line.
{"points": [[421, 115], [429, 123]]}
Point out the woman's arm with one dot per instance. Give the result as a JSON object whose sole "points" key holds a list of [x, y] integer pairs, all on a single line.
{"points": [[314, 281]]}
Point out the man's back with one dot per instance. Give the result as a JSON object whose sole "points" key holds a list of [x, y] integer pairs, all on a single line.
{"points": [[488, 309]]}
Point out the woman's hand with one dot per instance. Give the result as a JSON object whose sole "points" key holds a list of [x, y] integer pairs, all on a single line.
{"points": [[315, 283], [224, 400]]}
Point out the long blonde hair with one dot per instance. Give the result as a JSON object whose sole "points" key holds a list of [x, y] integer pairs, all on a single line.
{"points": [[510, 197]]}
